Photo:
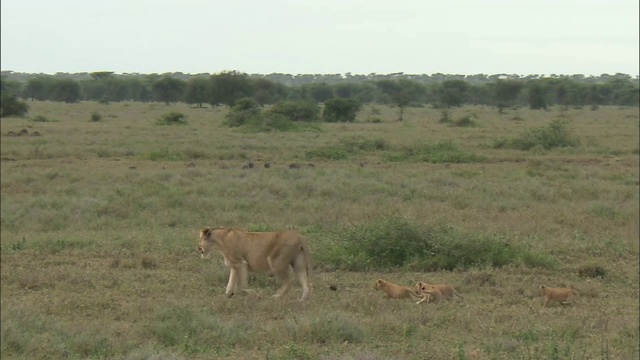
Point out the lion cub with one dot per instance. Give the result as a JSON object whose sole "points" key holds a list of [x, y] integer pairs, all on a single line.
{"points": [[395, 291], [430, 294], [447, 292], [564, 296]]}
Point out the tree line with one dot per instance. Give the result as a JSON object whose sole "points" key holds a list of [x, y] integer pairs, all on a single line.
{"points": [[227, 88]]}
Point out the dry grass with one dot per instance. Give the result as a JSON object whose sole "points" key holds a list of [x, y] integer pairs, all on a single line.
{"points": [[100, 218]]}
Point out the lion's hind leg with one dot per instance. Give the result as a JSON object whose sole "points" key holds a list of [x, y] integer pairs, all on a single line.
{"points": [[282, 273], [302, 273]]}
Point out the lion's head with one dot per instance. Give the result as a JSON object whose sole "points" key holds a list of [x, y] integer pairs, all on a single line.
{"points": [[205, 244]]}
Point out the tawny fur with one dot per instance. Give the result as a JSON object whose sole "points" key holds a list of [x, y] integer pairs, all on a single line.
{"points": [[430, 294], [564, 296], [447, 292], [273, 253], [395, 291]]}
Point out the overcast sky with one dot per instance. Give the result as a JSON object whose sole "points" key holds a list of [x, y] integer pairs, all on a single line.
{"points": [[524, 37]]}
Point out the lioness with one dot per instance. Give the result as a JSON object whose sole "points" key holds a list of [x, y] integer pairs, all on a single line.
{"points": [[265, 252], [430, 294], [395, 291], [562, 295], [447, 292]]}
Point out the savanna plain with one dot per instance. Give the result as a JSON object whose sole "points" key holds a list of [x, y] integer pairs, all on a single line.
{"points": [[101, 214]]}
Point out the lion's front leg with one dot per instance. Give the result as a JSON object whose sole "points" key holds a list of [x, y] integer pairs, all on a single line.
{"points": [[233, 282], [235, 275], [244, 276]]}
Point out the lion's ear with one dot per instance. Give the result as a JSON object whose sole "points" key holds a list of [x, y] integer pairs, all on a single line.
{"points": [[205, 231]]}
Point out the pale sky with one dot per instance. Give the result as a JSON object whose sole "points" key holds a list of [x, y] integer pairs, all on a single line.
{"points": [[525, 37]]}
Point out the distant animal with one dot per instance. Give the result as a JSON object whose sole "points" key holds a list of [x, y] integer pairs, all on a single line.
{"points": [[564, 296], [395, 291], [273, 253], [447, 292]]}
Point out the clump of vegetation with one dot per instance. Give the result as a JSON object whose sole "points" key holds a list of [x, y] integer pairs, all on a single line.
{"points": [[464, 121], [555, 135], [299, 110], [245, 111], [40, 118], [10, 105], [444, 152], [591, 271], [445, 117], [173, 118], [96, 116], [348, 147], [396, 242], [341, 110]]}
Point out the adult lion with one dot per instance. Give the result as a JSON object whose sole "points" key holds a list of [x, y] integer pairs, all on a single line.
{"points": [[263, 252]]}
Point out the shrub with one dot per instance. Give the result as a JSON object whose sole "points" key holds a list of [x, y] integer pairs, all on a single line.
{"points": [[445, 152], [341, 110], [10, 105], [464, 121], [300, 110], [96, 116], [591, 271], [394, 242], [40, 118], [173, 118], [555, 135], [244, 111]]}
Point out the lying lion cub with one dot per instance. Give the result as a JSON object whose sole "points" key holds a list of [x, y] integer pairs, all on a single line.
{"points": [[395, 291], [274, 253], [564, 296], [447, 292]]}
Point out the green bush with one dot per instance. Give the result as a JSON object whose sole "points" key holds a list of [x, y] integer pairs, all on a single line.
{"points": [[393, 242], [10, 105], [341, 110], [555, 135], [173, 118], [245, 111], [300, 110], [96, 116]]}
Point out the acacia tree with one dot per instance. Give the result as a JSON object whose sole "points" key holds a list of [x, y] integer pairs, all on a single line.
{"points": [[167, 89], [197, 91], [505, 93], [66, 90], [229, 87], [401, 92], [452, 92]]}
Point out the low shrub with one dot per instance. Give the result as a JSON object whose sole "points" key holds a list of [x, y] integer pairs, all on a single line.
{"points": [[591, 271], [394, 242], [444, 152], [555, 135], [173, 118]]}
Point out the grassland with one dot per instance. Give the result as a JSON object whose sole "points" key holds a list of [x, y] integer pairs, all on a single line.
{"points": [[100, 216]]}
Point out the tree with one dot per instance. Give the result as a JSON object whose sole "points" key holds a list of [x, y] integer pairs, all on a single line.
{"points": [[341, 110], [452, 93], [506, 92], [537, 96], [38, 88], [197, 91], [167, 89], [229, 87], [319, 92], [66, 90], [401, 92]]}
